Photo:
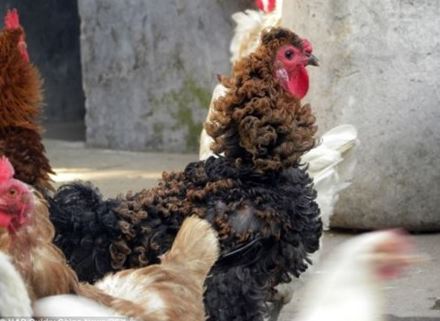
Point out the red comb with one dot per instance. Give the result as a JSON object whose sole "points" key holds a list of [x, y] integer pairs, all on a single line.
{"points": [[11, 19], [271, 5], [307, 45], [6, 169], [266, 5], [13, 22]]}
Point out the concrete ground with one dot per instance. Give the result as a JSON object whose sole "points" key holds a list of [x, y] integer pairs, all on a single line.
{"points": [[415, 296]]}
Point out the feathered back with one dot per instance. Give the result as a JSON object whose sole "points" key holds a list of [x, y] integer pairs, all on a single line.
{"points": [[20, 107], [196, 247], [257, 123], [351, 281]]}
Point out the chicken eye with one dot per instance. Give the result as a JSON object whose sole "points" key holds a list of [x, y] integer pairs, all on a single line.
{"points": [[12, 192], [289, 54]]}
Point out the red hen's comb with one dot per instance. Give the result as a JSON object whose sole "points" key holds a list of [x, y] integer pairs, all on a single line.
{"points": [[307, 45], [266, 5], [6, 169], [13, 22], [11, 19]]}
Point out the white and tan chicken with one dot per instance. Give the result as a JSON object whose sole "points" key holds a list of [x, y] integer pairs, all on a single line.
{"points": [[172, 290]]}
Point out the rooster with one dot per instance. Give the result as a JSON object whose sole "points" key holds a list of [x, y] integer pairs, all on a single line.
{"points": [[331, 163], [20, 100], [351, 287], [257, 196], [165, 291]]}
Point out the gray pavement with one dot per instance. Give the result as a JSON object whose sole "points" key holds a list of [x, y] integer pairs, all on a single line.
{"points": [[415, 296]]}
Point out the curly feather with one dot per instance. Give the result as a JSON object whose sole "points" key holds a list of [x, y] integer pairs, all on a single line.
{"points": [[84, 238], [256, 197]]}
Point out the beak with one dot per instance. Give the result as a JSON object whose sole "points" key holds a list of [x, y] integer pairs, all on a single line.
{"points": [[312, 60]]}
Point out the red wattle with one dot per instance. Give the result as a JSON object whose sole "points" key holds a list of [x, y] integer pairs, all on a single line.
{"points": [[5, 220], [299, 83]]}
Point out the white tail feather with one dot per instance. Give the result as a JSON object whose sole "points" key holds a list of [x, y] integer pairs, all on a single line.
{"points": [[248, 30], [331, 165]]}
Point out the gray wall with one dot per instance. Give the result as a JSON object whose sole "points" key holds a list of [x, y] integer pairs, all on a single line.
{"points": [[380, 63], [149, 69], [52, 29]]}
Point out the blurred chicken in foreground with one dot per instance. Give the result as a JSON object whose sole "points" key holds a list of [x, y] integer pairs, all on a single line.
{"points": [[351, 286]]}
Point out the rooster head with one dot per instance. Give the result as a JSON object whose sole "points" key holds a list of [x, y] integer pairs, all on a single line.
{"points": [[292, 55], [16, 201], [260, 121]]}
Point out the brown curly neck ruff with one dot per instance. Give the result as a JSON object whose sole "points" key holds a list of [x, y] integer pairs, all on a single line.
{"points": [[257, 123]]}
